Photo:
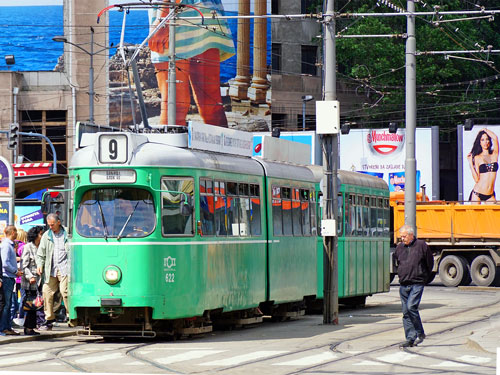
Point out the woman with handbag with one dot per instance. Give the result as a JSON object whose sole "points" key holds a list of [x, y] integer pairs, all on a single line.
{"points": [[30, 280]]}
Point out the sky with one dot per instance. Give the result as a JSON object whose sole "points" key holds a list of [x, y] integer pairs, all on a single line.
{"points": [[228, 6]]}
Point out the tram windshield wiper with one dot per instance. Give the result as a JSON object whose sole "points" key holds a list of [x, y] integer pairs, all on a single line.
{"points": [[106, 235], [127, 221]]}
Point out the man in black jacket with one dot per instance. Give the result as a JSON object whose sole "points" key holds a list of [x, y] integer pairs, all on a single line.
{"points": [[415, 261]]}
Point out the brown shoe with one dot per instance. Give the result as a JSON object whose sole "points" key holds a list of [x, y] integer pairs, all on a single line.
{"points": [[11, 332]]}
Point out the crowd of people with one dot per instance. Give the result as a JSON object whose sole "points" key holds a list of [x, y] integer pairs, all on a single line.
{"points": [[34, 278]]}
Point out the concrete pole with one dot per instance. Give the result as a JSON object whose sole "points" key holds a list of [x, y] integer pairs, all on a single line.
{"points": [[330, 254], [172, 79], [411, 120]]}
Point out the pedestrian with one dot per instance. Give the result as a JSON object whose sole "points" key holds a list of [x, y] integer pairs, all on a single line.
{"points": [[31, 279], [52, 265], [415, 262], [9, 273], [17, 312], [2, 297]]}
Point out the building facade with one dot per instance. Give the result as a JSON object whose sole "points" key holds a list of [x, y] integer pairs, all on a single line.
{"points": [[51, 103]]}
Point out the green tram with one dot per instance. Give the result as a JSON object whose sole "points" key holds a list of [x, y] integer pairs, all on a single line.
{"points": [[167, 240]]}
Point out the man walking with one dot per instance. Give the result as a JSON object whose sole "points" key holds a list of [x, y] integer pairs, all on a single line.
{"points": [[414, 261], [52, 264], [9, 273]]}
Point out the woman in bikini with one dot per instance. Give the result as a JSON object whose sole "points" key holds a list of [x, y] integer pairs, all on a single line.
{"points": [[483, 162]]}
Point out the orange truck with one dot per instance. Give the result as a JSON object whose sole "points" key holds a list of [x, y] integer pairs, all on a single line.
{"points": [[464, 237]]}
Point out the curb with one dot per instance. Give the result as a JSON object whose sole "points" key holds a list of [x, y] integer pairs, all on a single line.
{"points": [[42, 336]]}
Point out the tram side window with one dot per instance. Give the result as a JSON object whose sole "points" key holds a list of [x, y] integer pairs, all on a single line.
{"points": [[254, 212], [386, 217], [305, 214], [314, 219], [380, 215], [220, 208], [340, 202], [296, 214], [351, 216], [232, 201], [244, 209], [207, 213], [173, 220], [359, 215], [366, 216], [373, 217], [286, 205], [277, 212]]}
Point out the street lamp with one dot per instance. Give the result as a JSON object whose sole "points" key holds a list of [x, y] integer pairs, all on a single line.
{"points": [[305, 99], [91, 53]]}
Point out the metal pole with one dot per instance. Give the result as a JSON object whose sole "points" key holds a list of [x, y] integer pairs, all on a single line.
{"points": [[435, 163], [171, 105], [460, 162], [303, 115], [91, 77], [140, 97], [330, 254], [411, 120]]}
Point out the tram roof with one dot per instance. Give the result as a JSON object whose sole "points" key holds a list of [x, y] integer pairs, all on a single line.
{"points": [[361, 179], [158, 154]]}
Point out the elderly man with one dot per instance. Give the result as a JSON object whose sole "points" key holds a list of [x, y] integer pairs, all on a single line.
{"points": [[52, 264], [9, 273], [415, 261]]}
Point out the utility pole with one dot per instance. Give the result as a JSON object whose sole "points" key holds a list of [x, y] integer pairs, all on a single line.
{"points": [[172, 79], [411, 119], [331, 152]]}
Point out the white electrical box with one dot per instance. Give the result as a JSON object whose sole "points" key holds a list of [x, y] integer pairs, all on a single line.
{"points": [[327, 117], [328, 228]]}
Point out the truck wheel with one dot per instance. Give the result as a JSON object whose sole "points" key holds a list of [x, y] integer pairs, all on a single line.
{"points": [[483, 270], [466, 279], [451, 270]]}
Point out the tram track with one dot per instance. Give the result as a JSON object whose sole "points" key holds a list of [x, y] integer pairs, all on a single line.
{"points": [[334, 347]]}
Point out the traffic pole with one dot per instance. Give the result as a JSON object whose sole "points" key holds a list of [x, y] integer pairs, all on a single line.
{"points": [[331, 155], [411, 120]]}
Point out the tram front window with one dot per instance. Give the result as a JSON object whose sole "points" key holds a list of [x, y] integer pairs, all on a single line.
{"points": [[122, 212]]}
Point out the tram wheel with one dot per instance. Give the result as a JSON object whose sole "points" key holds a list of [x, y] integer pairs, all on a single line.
{"points": [[452, 270], [483, 271]]}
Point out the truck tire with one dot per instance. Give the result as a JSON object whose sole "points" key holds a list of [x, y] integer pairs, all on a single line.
{"points": [[452, 270], [483, 271], [466, 279]]}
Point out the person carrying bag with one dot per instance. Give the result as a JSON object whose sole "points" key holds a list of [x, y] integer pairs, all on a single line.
{"points": [[31, 281]]}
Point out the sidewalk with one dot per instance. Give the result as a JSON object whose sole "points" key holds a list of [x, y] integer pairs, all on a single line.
{"points": [[59, 330]]}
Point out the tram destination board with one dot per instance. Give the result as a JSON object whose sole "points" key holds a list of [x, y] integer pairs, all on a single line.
{"points": [[111, 176]]}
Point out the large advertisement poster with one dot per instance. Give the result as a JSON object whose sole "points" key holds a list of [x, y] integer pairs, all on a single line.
{"points": [[221, 64], [382, 154], [480, 163]]}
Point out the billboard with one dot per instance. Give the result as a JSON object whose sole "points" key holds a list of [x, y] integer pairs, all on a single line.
{"points": [[480, 163], [221, 71], [382, 154]]}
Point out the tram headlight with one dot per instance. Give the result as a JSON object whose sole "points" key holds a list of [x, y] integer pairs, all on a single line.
{"points": [[112, 274]]}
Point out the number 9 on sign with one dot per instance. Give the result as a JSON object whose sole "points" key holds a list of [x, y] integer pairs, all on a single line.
{"points": [[113, 148]]}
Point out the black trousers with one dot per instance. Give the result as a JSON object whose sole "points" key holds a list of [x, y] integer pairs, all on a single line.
{"points": [[30, 317]]}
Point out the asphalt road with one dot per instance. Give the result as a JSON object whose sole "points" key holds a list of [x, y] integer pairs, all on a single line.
{"points": [[462, 327]]}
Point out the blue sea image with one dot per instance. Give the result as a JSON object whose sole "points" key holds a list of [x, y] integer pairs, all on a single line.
{"points": [[27, 32]]}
